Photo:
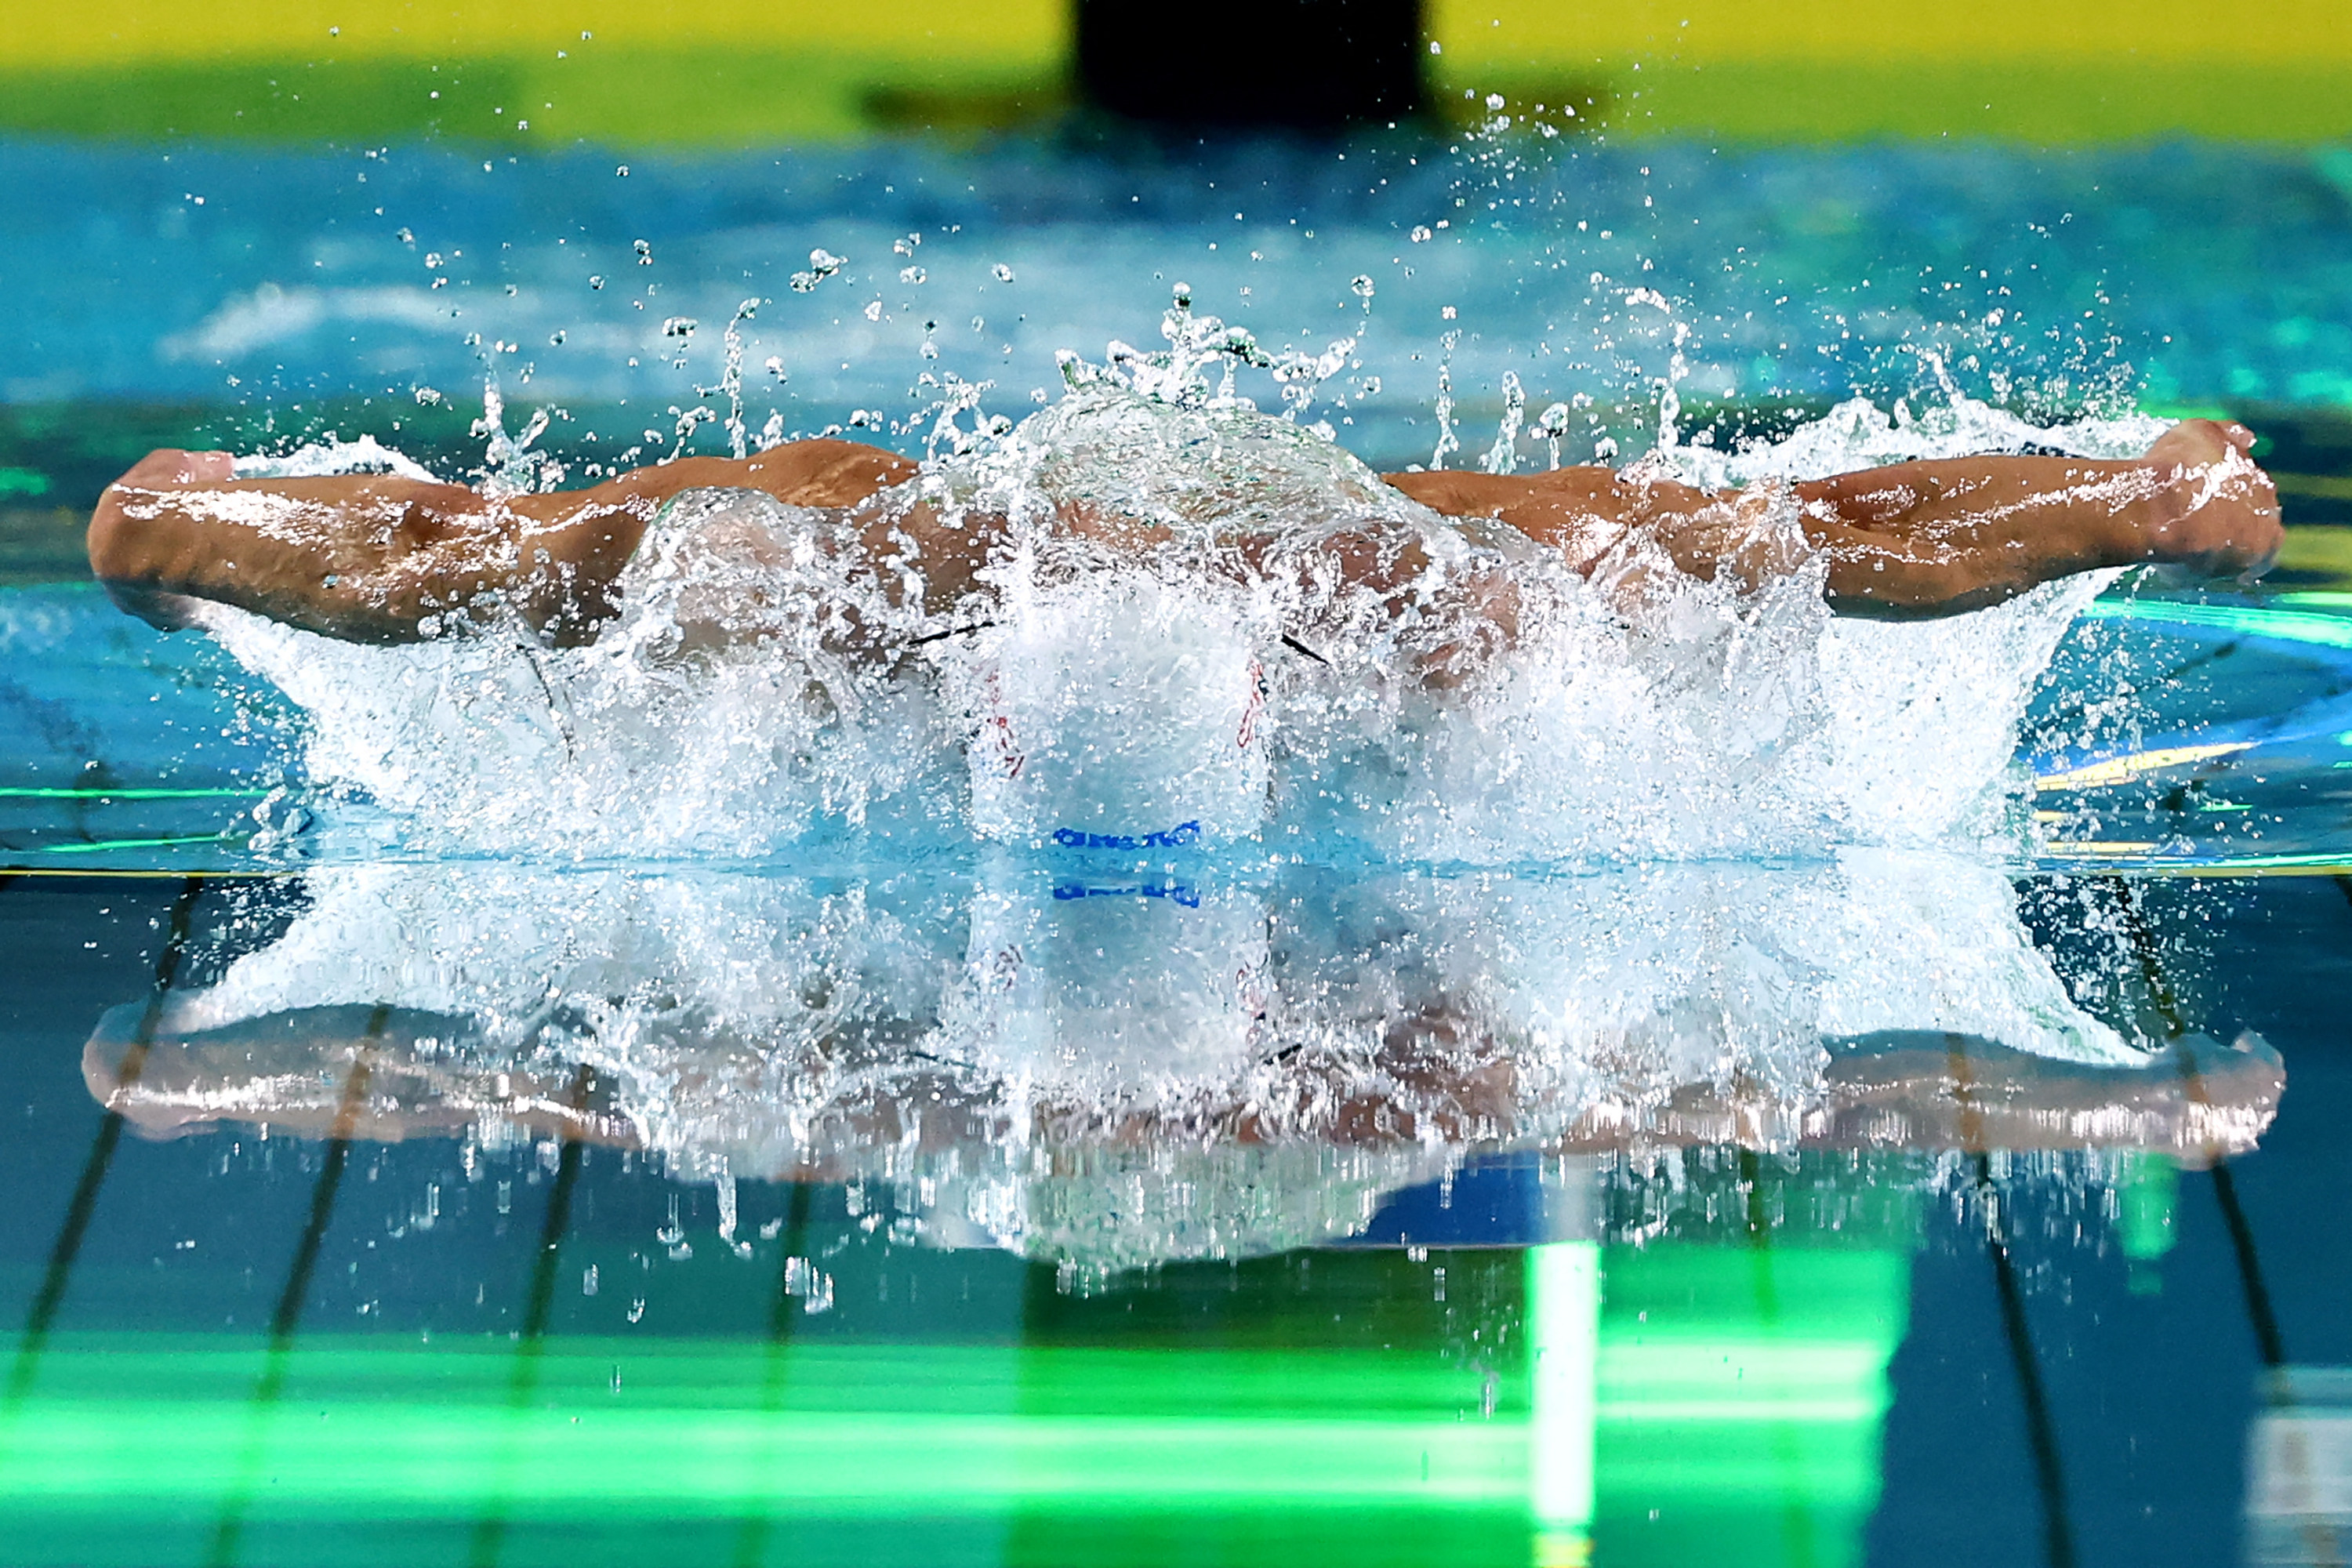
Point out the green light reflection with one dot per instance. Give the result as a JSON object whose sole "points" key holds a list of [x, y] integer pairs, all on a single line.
{"points": [[1681, 1394]]}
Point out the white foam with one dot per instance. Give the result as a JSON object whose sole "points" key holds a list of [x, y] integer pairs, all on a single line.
{"points": [[1269, 642], [1126, 714]]}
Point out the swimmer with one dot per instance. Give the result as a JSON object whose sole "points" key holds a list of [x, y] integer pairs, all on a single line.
{"points": [[378, 558]]}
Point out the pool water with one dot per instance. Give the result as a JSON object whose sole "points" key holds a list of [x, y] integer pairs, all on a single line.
{"points": [[498, 1320], [382, 1188]]}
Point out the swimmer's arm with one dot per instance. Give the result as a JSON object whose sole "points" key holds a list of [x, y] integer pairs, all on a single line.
{"points": [[1938, 538], [374, 558], [1920, 539], [364, 557]]}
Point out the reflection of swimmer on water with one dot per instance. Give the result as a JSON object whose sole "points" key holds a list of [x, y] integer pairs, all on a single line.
{"points": [[390, 559], [1153, 1070]]}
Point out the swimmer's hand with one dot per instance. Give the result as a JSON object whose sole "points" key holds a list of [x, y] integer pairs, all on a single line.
{"points": [[165, 469], [2216, 512], [362, 556]]}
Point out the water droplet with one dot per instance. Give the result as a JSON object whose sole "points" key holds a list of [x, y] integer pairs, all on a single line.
{"points": [[1362, 284], [644, 252], [1421, 231], [912, 275], [1003, 273], [822, 264], [595, 280]]}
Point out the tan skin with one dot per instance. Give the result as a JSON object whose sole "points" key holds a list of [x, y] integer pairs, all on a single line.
{"points": [[291, 1072], [374, 558]]}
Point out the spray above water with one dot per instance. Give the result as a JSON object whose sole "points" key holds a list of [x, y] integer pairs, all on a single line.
{"points": [[1197, 625], [1208, 656]]}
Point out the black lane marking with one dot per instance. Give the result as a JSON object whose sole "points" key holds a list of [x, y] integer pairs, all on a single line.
{"points": [[70, 1234]]}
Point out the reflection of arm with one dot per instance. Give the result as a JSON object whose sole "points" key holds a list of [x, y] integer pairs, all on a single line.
{"points": [[427, 1075], [372, 558], [1950, 1091], [290, 1071]]}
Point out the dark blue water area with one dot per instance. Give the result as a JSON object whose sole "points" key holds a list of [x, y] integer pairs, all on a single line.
{"points": [[275, 280], [2152, 1371], [118, 735], [2148, 1368]]}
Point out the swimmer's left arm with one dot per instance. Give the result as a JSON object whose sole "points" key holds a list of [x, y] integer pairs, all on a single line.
{"points": [[1919, 539], [1936, 538]]}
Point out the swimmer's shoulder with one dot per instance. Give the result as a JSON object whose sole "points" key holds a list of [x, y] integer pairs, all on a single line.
{"points": [[1453, 493], [820, 472], [824, 471]]}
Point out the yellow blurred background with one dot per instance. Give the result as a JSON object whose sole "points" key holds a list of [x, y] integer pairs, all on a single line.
{"points": [[735, 72]]}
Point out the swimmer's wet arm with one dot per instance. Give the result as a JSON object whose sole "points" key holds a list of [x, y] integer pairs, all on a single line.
{"points": [[380, 557], [340, 555], [1933, 539], [1942, 537], [1917, 539], [1586, 512], [822, 472]]}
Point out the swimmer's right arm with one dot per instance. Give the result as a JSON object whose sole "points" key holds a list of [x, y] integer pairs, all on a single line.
{"points": [[379, 558]]}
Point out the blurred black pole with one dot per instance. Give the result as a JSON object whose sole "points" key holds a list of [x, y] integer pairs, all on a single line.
{"points": [[1299, 65]]}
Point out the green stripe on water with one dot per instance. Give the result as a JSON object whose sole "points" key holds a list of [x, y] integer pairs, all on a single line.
{"points": [[1736, 1390], [96, 846], [421, 1431], [2295, 625], [13, 794]]}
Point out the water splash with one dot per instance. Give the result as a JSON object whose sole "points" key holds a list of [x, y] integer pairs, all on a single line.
{"points": [[1202, 621], [1503, 457], [1448, 443], [822, 264], [730, 378]]}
